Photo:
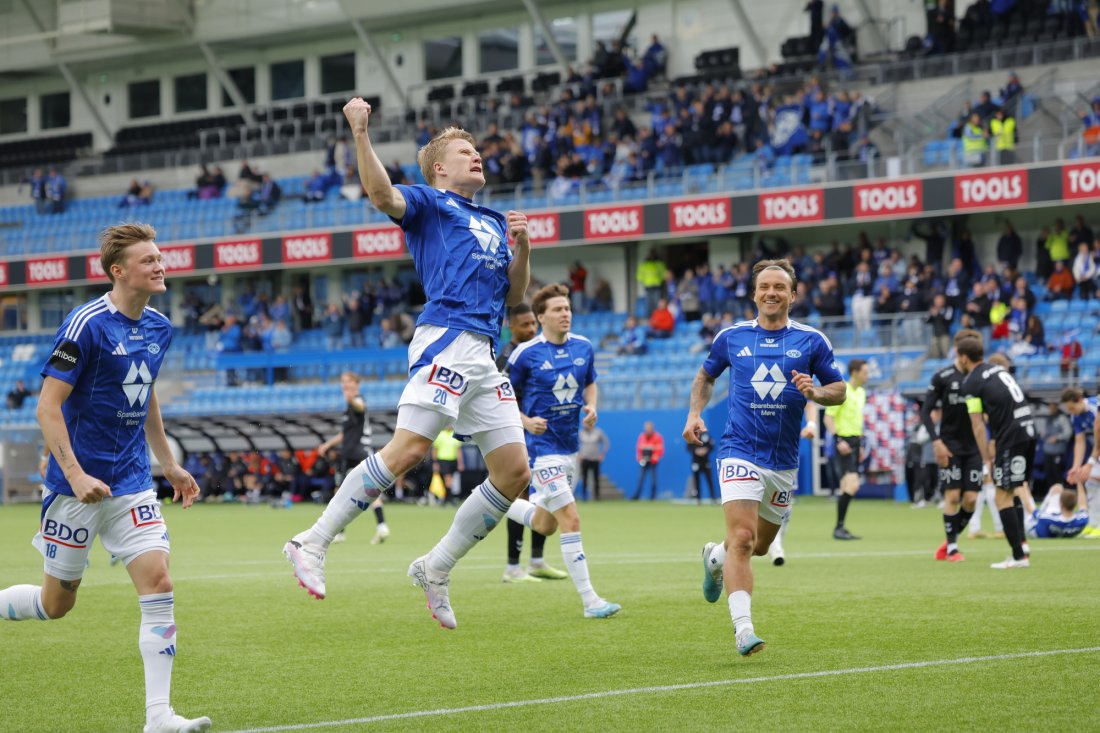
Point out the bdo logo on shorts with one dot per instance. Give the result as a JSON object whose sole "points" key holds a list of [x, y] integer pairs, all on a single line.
{"points": [[545, 475], [738, 472], [447, 379], [63, 534], [146, 515]]}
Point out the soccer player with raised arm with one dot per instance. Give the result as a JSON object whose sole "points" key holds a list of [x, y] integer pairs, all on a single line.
{"points": [[554, 375], [956, 451], [460, 251], [772, 362], [524, 327], [98, 409], [989, 389], [355, 444]]}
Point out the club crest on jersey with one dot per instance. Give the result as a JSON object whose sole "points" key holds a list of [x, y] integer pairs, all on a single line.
{"points": [[447, 379], [154, 348]]}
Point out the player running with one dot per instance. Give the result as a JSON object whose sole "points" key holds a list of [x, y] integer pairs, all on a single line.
{"points": [[956, 451], [772, 362], [554, 376], [990, 389], [98, 409], [461, 255]]}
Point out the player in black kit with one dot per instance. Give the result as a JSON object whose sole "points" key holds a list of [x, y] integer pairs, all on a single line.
{"points": [[956, 451], [354, 440], [991, 390]]}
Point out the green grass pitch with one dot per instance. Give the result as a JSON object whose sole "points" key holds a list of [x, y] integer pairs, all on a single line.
{"points": [[911, 644]]}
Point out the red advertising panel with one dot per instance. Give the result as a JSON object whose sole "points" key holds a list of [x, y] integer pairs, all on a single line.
{"points": [[307, 248], [1081, 180], [613, 222], [700, 214], [986, 190], [791, 207], [178, 258], [372, 243], [544, 228], [47, 271], [238, 254], [93, 268], [887, 199], [3, 273]]}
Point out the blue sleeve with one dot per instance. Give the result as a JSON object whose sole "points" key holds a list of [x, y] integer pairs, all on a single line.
{"points": [[417, 199], [823, 364], [71, 350], [517, 369], [718, 358]]}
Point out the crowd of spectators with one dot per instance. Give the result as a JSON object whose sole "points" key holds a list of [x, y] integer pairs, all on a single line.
{"points": [[47, 191], [948, 32]]}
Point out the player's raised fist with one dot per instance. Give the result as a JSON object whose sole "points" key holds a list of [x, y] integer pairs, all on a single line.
{"points": [[517, 227], [804, 383], [357, 112]]}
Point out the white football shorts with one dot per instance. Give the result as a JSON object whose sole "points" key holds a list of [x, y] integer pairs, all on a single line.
{"points": [[128, 526], [552, 479], [740, 479]]}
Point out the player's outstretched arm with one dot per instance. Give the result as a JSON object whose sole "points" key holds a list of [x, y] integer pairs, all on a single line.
{"points": [[376, 182], [87, 489], [519, 271], [183, 483], [702, 388]]}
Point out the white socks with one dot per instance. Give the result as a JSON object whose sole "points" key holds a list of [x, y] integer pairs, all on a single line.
{"points": [[357, 492], [741, 611], [22, 602], [157, 642], [717, 557], [522, 511], [474, 520], [572, 552]]}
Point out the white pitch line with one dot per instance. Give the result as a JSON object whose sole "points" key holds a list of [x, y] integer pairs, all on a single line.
{"points": [[667, 688], [625, 560]]}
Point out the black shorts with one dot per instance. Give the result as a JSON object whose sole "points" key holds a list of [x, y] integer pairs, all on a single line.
{"points": [[1013, 464], [849, 463], [962, 472]]}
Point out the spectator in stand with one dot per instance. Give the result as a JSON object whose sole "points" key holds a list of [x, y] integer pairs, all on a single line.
{"points": [[577, 277], [1057, 243], [957, 285], [316, 187], [706, 333], [1091, 132], [1021, 289], [837, 47], [861, 287], [1081, 233], [935, 235], [230, 343], [37, 183], [357, 319], [1035, 335], [632, 340], [661, 321], [975, 140], [1003, 136], [941, 29], [651, 276], [1085, 271], [387, 337], [940, 316], [827, 300], [1010, 93], [648, 450], [655, 59], [1072, 351], [1060, 284], [302, 307], [601, 297], [56, 188], [687, 294], [1009, 247], [333, 326], [138, 194], [17, 395]]}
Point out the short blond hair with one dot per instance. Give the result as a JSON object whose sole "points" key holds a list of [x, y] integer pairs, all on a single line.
{"points": [[433, 151], [113, 242], [352, 376]]}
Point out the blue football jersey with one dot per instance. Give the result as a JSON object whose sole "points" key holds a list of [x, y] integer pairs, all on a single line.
{"points": [[460, 251], [1083, 423], [549, 380], [112, 362], [1051, 523], [765, 408]]}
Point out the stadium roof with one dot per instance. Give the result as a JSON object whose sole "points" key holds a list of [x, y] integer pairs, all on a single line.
{"points": [[297, 431]]}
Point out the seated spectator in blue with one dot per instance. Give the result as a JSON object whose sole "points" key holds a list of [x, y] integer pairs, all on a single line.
{"points": [[636, 78], [655, 59], [387, 337], [267, 198], [820, 112], [886, 277], [279, 310], [647, 149], [37, 183], [139, 194], [56, 187], [632, 340], [316, 187], [333, 325], [670, 154], [1010, 93], [280, 336]]}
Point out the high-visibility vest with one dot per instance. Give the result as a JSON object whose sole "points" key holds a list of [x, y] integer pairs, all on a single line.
{"points": [[973, 140], [1004, 133]]}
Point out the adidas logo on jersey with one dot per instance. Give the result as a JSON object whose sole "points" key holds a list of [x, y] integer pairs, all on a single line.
{"points": [[546, 365], [120, 350], [452, 202], [745, 351], [768, 382]]}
